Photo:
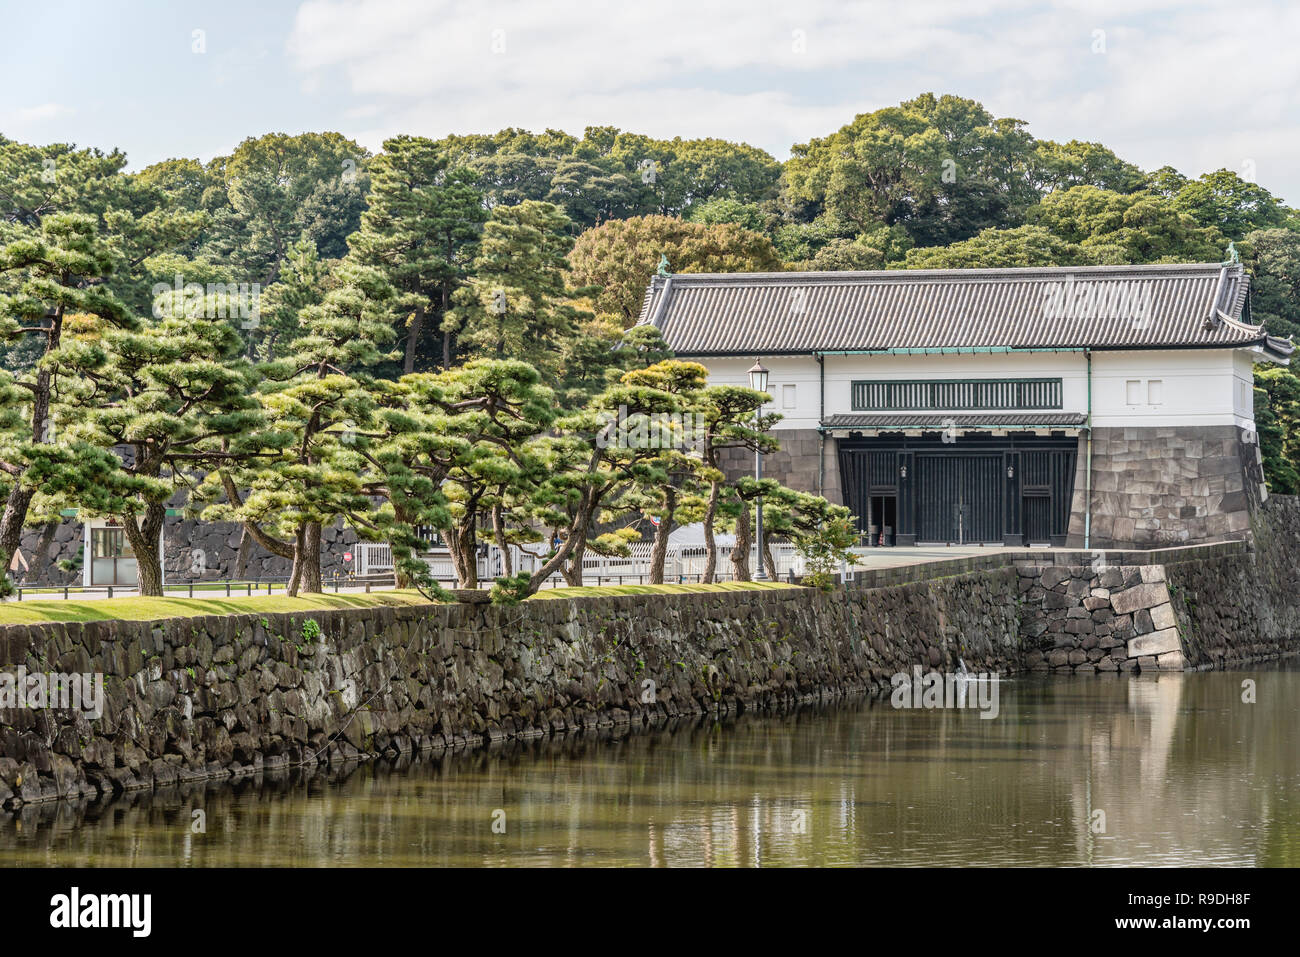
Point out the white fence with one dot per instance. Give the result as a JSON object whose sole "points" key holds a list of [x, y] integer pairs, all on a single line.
{"points": [[682, 563]]}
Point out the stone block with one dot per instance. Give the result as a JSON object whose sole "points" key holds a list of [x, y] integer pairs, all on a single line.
{"points": [[1162, 617], [1172, 661], [1156, 643], [1145, 595]]}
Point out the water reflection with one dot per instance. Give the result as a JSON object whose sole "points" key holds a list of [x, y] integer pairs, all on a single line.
{"points": [[1181, 769]]}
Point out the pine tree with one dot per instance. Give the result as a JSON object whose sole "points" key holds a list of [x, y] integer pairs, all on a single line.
{"points": [[60, 270], [304, 468], [146, 413], [516, 304], [420, 233], [77, 235]]}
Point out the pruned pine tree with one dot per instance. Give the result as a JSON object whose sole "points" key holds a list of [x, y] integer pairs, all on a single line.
{"points": [[498, 409], [146, 413], [730, 419], [303, 469], [52, 272], [661, 402]]}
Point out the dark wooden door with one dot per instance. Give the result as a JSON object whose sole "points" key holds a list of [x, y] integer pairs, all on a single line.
{"points": [[1038, 519], [959, 498]]}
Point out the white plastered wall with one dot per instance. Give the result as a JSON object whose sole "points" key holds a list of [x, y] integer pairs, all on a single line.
{"points": [[1138, 389]]}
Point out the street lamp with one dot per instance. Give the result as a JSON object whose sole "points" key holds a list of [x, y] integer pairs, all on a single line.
{"points": [[758, 382]]}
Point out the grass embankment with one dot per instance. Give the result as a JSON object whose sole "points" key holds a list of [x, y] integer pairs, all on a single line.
{"points": [[150, 609], [588, 590]]}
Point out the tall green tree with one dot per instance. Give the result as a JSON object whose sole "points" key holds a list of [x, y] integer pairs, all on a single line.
{"points": [[518, 303], [1127, 227], [280, 189], [1277, 423], [1273, 258], [941, 167], [1058, 166], [304, 281], [421, 232], [60, 271], [1002, 248], [1224, 201]]}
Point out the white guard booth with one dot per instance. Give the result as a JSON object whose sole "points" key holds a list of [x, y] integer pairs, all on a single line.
{"points": [[109, 558]]}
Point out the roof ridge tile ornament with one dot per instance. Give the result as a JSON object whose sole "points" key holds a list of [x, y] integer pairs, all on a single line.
{"points": [[1234, 257], [663, 265]]}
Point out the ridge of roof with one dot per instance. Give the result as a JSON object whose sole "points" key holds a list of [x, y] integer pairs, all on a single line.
{"points": [[1001, 272]]}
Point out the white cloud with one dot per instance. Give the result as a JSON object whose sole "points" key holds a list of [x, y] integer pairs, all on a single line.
{"points": [[1195, 84]]}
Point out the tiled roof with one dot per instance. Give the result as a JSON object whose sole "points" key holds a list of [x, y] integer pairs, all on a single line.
{"points": [[925, 420], [1100, 307]]}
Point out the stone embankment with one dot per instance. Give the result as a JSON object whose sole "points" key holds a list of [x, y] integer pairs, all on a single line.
{"points": [[194, 698], [1207, 606]]}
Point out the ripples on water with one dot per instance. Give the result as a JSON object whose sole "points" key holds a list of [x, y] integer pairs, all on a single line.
{"points": [[1184, 771]]}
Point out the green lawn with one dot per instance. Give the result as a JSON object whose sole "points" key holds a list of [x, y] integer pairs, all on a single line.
{"points": [[585, 590], [149, 609]]}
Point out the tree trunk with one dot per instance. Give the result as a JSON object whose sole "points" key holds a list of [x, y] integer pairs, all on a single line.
{"points": [[41, 554], [740, 554], [660, 550], [277, 547], [11, 523], [149, 568], [572, 568], [575, 543], [401, 516], [447, 334], [413, 339], [768, 560], [295, 573], [145, 539], [463, 542], [241, 557], [311, 577], [710, 544]]}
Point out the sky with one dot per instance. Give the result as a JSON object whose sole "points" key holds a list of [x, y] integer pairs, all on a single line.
{"points": [[1195, 85]]}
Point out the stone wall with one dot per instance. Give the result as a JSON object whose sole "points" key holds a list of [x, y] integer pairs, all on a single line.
{"points": [[795, 465], [1155, 487], [1088, 618], [227, 555], [1245, 606], [192, 698], [1211, 606], [196, 698]]}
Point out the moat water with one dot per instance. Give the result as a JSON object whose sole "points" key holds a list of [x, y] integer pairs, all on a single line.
{"points": [[1171, 769]]}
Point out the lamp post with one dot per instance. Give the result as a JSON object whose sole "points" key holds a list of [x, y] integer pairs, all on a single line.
{"points": [[758, 382]]}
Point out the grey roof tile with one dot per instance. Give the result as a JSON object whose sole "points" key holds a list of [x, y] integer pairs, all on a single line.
{"points": [[1167, 306], [967, 420]]}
